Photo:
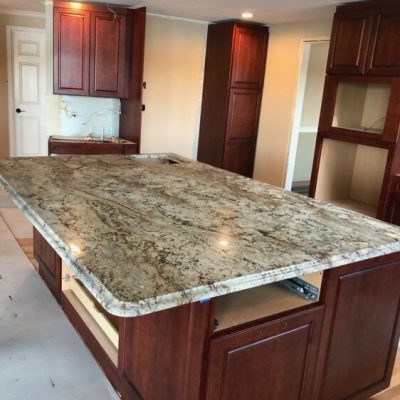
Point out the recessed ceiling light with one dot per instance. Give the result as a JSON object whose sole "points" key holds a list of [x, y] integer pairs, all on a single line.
{"points": [[247, 15]]}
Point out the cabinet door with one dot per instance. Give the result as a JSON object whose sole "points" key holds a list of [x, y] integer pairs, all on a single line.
{"points": [[384, 47], [49, 264], [71, 51], [392, 213], [243, 114], [364, 332], [249, 56], [349, 41], [239, 156], [107, 55], [271, 361]]}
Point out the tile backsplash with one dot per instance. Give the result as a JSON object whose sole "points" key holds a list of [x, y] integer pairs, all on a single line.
{"points": [[83, 116]]}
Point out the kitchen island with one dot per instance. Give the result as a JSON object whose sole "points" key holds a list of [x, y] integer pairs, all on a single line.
{"points": [[167, 269]]}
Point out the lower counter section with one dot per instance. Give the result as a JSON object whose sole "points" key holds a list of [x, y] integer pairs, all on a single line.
{"points": [[274, 347]]}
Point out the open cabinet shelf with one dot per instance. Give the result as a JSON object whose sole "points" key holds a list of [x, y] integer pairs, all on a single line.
{"points": [[263, 301], [103, 326], [351, 175]]}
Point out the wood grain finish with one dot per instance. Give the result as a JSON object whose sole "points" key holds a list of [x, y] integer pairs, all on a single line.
{"points": [[71, 51], [249, 50], [232, 91], [131, 107], [49, 264], [392, 214], [349, 41], [365, 41], [66, 147], [391, 128], [275, 358], [361, 329], [107, 54], [384, 46], [344, 346], [164, 352], [93, 50]]}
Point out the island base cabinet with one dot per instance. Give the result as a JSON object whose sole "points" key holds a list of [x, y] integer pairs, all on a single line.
{"points": [[361, 329], [49, 264], [274, 360], [162, 354]]}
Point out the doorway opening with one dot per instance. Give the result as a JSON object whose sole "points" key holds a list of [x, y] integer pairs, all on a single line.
{"points": [[306, 115]]}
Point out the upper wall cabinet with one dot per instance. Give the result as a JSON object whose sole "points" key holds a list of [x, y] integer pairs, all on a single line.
{"points": [[71, 51], [90, 50], [349, 38], [366, 39], [384, 47], [107, 54]]}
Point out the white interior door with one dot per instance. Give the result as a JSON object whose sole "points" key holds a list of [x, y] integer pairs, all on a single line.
{"points": [[27, 62]]}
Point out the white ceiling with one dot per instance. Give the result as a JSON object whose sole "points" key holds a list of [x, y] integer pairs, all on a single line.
{"points": [[265, 11]]}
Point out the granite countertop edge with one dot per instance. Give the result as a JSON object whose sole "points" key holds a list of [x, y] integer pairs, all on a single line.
{"points": [[202, 293]]}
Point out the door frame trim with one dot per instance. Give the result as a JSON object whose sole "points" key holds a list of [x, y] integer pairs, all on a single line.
{"points": [[305, 47], [10, 82]]}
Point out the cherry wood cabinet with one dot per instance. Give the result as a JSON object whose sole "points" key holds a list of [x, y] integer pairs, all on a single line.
{"points": [[276, 357], [107, 55], [232, 91], [97, 53], [393, 207], [91, 50], [342, 346], [357, 149], [349, 41], [49, 264], [361, 329], [384, 47], [366, 39], [70, 147], [71, 51]]}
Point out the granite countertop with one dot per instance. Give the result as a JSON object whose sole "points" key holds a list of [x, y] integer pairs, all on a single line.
{"points": [[145, 235]]}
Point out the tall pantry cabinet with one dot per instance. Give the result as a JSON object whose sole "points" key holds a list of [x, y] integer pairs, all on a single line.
{"points": [[357, 155], [233, 83]]}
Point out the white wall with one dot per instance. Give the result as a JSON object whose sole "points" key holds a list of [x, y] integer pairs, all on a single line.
{"points": [[280, 88], [173, 70]]}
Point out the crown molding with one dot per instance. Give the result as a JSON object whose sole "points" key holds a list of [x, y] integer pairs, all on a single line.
{"points": [[22, 13]]}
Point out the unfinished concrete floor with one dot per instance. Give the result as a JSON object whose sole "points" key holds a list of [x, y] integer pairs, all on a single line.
{"points": [[41, 355]]}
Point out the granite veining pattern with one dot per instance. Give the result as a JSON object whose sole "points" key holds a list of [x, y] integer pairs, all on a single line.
{"points": [[144, 235]]}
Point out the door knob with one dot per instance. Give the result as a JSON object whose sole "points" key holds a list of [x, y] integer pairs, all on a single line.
{"points": [[18, 110]]}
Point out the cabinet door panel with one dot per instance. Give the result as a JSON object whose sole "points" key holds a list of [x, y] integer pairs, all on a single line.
{"points": [[244, 110], [239, 157], [363, 338], [271, 361], [71, 51], [349, 41], [384, 48], [107, 54], [49, 264], [250, 48]]}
